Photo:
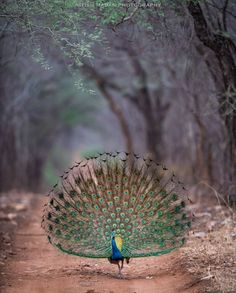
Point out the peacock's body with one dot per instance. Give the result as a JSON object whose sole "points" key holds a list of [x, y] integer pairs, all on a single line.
{"points": [[117, 206]]}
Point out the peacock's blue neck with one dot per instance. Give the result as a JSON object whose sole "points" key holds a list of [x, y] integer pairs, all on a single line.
{"points": [[116, 254]]}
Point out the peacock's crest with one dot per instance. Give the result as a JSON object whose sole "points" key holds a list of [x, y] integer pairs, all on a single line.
{"points": [[121, 194]]}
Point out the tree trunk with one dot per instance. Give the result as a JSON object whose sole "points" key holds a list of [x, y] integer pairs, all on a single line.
{"points": [[224, 50], [150, 107], [154, 125], [103, 86], [116, 109]]}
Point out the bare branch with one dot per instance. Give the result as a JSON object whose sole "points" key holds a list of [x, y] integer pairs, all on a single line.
{"points": [[127, 18], [224, 14], [218, 8]]}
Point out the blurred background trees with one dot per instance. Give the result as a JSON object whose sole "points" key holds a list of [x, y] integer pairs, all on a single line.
{"points": [[157, 80]]}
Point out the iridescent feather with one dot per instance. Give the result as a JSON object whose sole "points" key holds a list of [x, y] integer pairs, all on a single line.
{"points": [[137, 199]]}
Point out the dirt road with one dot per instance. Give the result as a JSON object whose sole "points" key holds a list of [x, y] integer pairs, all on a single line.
{"points": [[38, 267]]}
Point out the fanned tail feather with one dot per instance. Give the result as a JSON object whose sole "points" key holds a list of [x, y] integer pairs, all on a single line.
{"points": [[139, 199]]}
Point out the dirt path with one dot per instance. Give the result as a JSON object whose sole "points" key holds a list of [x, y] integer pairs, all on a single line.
{"points": [[39, 267]]}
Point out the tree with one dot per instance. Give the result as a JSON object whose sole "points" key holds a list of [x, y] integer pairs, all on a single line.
{"points": [[149, 59], [37, 106], [218, 40]]}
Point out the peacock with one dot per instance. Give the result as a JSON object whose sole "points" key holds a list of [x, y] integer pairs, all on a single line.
{"points": [[117, 206]]}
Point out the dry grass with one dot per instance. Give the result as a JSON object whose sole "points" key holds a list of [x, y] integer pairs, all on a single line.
{"points": [[212, 255]]}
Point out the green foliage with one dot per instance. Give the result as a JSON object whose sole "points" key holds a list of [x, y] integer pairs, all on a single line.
{"points": [[40, 58], [73, 26], [64, 22]]}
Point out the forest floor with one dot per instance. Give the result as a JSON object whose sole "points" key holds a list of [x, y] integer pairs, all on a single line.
{"points": [[29, 263]]}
